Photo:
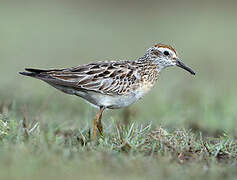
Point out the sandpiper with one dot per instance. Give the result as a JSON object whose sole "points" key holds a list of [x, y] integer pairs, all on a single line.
{"points": [[112, 84]]}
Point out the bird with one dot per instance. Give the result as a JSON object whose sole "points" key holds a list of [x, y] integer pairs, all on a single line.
{"points": [[111, 84]]}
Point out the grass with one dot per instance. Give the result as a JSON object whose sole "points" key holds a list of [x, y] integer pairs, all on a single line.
{"points": [[30, 149]]}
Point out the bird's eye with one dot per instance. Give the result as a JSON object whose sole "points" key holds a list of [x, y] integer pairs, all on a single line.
{"points": [[166, 53]]}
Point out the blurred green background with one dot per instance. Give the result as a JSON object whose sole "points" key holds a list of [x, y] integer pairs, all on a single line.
{"points": [[47, 34]]}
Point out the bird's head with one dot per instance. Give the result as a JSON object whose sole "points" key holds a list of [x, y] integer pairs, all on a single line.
{"points": [[165, 56]]}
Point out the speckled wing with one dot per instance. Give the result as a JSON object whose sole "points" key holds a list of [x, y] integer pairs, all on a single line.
{"points": [[112, 78]]}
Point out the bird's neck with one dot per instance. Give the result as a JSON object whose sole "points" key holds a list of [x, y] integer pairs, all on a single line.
{"points": [[150, 61], [148, 70]]}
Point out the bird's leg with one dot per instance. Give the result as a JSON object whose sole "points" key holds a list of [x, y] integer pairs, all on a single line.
{"points": [[97, 123]]}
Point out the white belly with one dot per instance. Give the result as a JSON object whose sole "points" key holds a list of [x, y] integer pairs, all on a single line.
{"points": [[113, 102], [108, 101]]}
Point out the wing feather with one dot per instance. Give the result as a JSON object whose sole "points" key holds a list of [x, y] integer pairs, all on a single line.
{"points": [[102, 77]]}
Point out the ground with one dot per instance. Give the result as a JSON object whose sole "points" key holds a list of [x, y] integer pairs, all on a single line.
{"points": [[34, 147]]}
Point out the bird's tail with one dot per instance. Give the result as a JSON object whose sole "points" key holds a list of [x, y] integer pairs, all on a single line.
{"points": [[33, 72]]}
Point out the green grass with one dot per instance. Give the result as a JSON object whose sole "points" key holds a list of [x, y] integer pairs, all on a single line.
{"points": [[30, 149], [186, 127]]}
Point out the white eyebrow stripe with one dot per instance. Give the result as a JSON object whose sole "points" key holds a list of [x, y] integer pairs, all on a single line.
{"points": [[172, 53]]}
